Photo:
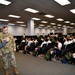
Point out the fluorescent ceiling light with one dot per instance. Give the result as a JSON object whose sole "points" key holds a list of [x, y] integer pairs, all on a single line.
{"points": [[54, 26], [49, 16], [23, 25], [4, 20], [31, 10], [11, 24], [59, 19], [67, 21], [44, 22], [4, 2], [68, 26], [41, 25], [53, 23], [14, 16], [19, 22], [36, 18], [64, 26], [59, 25], [61, 2], [72, 23], [73, 11], [48, 26]]}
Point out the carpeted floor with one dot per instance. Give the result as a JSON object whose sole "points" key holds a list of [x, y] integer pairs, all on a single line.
{"points": [[29, 65]]}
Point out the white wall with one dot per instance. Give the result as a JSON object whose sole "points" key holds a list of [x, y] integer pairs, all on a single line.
{"points": [[19, 31], [41, 31], [16, 30]]}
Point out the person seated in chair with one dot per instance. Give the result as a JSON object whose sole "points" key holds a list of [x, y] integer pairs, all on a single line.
{"points": [[28, 45], [56, 50], [39, 48]]}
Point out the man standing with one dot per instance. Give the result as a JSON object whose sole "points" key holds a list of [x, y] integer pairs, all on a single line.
{"points": [[8, 51]]}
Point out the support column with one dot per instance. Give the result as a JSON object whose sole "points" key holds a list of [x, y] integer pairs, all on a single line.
{"points": [[52, 31], [64, 30], [30, 27]]}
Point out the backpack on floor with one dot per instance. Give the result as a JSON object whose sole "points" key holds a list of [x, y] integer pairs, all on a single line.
{"points": [[68, 56], [64, 61], [47, 55], [35, 53]]}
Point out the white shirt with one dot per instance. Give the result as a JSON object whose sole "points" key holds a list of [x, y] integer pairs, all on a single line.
{"points": [[66, 43], [43, 43], [73, 40], [23, 40], [69, 42], [59, 46], [35, 41], [29, 42], [48, 41]]}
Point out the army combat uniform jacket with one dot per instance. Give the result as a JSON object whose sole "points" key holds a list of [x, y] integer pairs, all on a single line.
{"points": [[10, 46]]}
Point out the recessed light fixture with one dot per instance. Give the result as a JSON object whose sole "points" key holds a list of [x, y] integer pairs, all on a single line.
{"points": [[72, 23], [31, 10], [14, 16], [61, 2], [35, 18], [44, 22], [4, 2], [48, 26], [64, 26], [4, 20], [19, 22], [53, 23], [73, 11], [59, 19], [23, 25], [68, 26], [41, 25], [59, 25], [67, 21], [11, 24], [49, 16]]}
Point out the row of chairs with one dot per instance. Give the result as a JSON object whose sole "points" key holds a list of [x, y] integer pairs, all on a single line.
{"points": [[41, 50], [68, 48]]}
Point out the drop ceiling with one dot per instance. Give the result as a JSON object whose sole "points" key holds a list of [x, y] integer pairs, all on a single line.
{"points": [[43, 6]]}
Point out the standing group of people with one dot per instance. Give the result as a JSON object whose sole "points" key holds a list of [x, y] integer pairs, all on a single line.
{"points": [[8, 46]]}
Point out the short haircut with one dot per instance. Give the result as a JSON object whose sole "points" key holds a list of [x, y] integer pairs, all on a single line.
{"points": [[5, 27]]}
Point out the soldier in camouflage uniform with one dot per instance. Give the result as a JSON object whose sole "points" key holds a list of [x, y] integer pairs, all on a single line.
{"points": [[8, 51]]}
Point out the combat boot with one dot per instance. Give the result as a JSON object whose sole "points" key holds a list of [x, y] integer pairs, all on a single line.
{"points": [[15, 71], [6, 72]]}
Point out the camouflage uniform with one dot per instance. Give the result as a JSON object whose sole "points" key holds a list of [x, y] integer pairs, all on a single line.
{"points": [[8, 50]]}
